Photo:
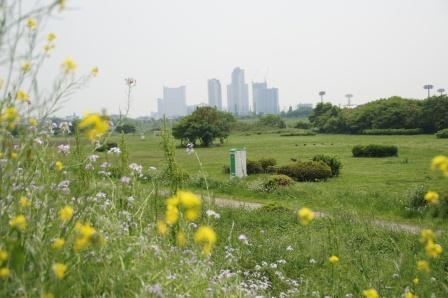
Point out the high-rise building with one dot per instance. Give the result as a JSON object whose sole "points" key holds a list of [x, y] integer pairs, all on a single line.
{"points": [[214, 94], [238, 94], [265, 99], [173, 104]]}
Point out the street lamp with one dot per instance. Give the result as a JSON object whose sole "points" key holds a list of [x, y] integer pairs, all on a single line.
{"points": [[349, 98], [428, 87], [441, 91], [321, 94]]}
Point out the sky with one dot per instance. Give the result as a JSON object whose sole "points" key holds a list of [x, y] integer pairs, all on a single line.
{"points": [[370, 48]]}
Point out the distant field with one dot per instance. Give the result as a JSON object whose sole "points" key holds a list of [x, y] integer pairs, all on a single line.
{"points": [[368, 186]]}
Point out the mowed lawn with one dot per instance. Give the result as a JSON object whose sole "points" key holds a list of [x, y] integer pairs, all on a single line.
{"points": [[367, 186]]}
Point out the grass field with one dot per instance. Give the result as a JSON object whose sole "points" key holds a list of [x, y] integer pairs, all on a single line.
{"points": [[367, 186]]}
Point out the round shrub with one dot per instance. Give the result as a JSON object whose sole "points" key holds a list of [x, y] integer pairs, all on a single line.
{"points": [[272, 169], [374, 151], [280, 180], [442, 134], [267, 162], [306, 171], [254, 167], [332, 161]]}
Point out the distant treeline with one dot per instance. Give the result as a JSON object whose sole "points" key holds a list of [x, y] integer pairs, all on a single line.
{"points": [[428, 116]]}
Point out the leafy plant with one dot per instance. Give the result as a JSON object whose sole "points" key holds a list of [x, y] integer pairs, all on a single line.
{"points": [[374, 151], [332, 161]]}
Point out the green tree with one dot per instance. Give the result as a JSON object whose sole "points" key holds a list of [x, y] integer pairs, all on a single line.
{"points": [[205, 124]]}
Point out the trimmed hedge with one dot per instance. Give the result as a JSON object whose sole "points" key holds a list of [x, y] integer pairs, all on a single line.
{"points": [[332, 161], [267, 162], [306, 171], [442, 134], [254, 167], [374, 151], [393, 131], [299, 134]]}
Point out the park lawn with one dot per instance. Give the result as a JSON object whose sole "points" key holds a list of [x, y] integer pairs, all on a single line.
{"points": [[376, 187]]}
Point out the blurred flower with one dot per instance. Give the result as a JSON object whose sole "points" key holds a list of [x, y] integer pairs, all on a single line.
{"points": [[415, 281], [33, 122], [440, 162], [306, 216], [18, 222], [114, 150], [432, 197], [31, 23], [85, 235], [64, 149], [427, 235], [26, 67], [190, 148], [48, 48], [22, 96], [11, 116], [69, 65], [51, 37], [3, 255], [4, 272], [423, 265], [94, 71], [59, 270], [59, 166], [62, 4], [125, 180], [24, 202], [433, 250], [181, 239], [94, 125], [370, 293], [171, 214], [211, 213], [243, 238], [66, 213], [162, 228], [205, 236], [58, 243], [333, 259], [409, 294]]}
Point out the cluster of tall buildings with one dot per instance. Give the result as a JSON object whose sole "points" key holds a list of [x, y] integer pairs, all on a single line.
{"points": [[265, 100]]}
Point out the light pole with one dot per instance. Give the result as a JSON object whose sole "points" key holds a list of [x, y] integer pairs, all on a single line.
{"points": [[349, 98], [321, 94], [441, 91], [428, 87]]}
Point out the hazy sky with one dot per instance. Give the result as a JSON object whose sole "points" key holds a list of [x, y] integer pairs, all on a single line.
{"points": [[371, 48]]}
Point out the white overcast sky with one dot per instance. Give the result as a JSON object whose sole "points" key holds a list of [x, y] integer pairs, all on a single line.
{"points": [[371, 48]]}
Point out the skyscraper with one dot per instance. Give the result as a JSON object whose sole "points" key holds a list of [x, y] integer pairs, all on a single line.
{"points": [[238, 94], [173, 104], [265, 99], [214, 94]]}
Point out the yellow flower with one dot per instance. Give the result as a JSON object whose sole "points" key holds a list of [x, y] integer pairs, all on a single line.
{"points": [[423, 265], [333, 259], [33, 122], [69, 65], [18, 222], [94, 71], [205, 236], [432, 197], [48, 48], [85, 230], [66, 213], [26, 67], [24, 202], [58, 243], [181, 239], [189, 199], [11, 116], [51, 37], [3, 255], [409, 294], [370, 293], [59, 166], [95, 125], [62, 4], [81, 243], [305, 216], [415, 281], [427, 235], [433, 250], [171, 214], [31, 23], [191, 214], [59, 270], [162, 228], [440, 162], [48, 295], [4, 272], [13, 155], [22, 96]]}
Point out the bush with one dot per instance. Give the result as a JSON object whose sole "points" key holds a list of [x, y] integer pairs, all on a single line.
{"points": [[126, 128], [306, 171], [299, 134], [332, 161], [272, 169], [106, 147], [267, 162], [442, 134], [280, 180], [374, 151], [393, 131], [302, 125], [254, 167]]}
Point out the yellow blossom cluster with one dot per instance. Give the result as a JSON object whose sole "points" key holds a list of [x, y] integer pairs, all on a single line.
{"points": [[24, 202], [66, 213], [10, 116], [69, 65], [4, 271], [428, 239], [59, 166], [440, 162], [31, 23], [59, 270], [94, 125], [19, 222], [432, 197], [51, 37], [206, 237], [333, 259], [305, 216], [188, 202], [86, 235], [370, 293], [22, 96]]}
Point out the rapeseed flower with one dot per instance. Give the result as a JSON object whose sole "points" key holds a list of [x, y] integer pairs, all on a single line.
{"points": [[33, 122], [94, 71], [306, 216], [433, 250], [440, 162], [69, 65], [58, 243], [427, 235], [11, 116], [66, 213], [22, 96], [4, 272], [370, 293], [24, 202], [423, 265], [333, 259], [18, 222], [85, 236], [171, 214], [26, 67], [62, 4], [3, 255], [181, 239], [205, 236], [51, 37], [95, 125], [59, 270], [409, 294], [31, 23], [162, 228], [432, 197], [59, 166], [189, 199]]}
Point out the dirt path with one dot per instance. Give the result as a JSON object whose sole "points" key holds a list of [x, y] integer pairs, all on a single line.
{"points": [[388, 225]]}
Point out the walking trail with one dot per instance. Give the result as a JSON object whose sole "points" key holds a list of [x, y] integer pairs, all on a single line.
{"points": [[388, 225]]}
